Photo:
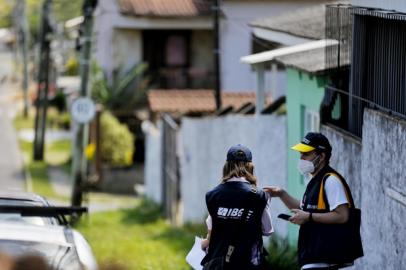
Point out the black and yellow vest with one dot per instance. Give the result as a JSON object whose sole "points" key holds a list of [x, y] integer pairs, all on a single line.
{"points": [[311, 238]]}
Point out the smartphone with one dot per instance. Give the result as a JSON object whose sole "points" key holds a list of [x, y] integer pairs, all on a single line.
{"points": [[284, 216]]}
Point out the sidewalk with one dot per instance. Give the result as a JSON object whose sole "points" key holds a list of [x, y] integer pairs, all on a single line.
{"points": [[97, 202], [11, 161]]}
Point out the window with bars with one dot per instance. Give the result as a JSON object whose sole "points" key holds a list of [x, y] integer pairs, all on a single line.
{"points": [[376, 65]]}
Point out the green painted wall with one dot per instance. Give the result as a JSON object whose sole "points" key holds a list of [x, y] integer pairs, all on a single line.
{"points": [[303, 91]]}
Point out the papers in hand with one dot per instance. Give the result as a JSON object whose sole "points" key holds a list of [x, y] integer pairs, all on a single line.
{"points": [[196, 254]]}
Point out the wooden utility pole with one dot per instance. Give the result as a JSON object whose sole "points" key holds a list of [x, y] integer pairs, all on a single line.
{"points": [[216, 51], [43, 81], [79, 163]]}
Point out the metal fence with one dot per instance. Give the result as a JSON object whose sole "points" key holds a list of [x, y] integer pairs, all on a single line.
{"points": [[170, 166], [372, 47]]}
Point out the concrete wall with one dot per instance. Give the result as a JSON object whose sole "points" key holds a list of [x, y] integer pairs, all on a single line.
{"points": [[153, 161], [383, 199], [376, 174], [398, 5], [203, 146], [346, 159], [127, 49]]}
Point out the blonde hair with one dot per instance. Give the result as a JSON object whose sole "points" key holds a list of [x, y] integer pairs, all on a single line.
{"points": [[239, 169]]}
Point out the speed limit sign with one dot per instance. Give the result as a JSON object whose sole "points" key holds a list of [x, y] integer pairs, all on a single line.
{"points": [[83, 110]]}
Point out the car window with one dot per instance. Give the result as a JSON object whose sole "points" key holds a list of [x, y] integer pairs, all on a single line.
{"points": [[7, 217], [17, 218]]}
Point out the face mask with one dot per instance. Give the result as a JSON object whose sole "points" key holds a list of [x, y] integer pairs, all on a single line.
{"points": [[306, 167]]}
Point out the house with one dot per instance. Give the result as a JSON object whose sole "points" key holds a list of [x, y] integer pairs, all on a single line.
{"points": [[176, 38], [370, 138], [356, 88], [301, 61]]}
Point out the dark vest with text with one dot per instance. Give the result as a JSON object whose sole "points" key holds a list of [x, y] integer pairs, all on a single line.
{"points": [[227, 204], [308, 233]]}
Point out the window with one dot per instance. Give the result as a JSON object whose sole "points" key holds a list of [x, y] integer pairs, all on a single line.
{"points": [[368, 66], [311, 121]]}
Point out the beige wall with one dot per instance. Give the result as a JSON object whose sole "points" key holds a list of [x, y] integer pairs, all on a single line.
{"points": [[127, 48]]}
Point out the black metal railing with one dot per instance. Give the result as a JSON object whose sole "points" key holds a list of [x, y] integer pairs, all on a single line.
{"points": [[376, 55], [181, 78]]}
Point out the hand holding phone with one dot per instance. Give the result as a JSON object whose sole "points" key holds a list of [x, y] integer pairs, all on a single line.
{"points": [[284, 216]]}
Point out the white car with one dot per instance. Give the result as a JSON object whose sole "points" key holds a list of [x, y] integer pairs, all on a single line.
{"points": [[30, 225]]}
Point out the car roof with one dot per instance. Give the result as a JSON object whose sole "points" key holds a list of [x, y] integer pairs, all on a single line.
{"points": [[21, 195]]}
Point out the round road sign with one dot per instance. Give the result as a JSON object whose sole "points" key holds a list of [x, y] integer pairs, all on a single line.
{"points": [[83, 110]]}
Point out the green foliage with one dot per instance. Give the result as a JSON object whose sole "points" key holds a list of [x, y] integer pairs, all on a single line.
{"points": [[117, 147], [58, 101], [282, 256], [126, 90], [5, 13], [58, 120], [72, 67], [66, 9]]}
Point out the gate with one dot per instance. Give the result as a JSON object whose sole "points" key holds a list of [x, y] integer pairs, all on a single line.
{"points": [[170, 174]]}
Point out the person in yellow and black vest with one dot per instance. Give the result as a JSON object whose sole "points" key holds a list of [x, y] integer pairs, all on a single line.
{"points": [[325, 213], [238, 217]]}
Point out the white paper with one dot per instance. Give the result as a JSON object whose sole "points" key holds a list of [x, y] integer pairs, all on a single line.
{"points": [[196, 254]]}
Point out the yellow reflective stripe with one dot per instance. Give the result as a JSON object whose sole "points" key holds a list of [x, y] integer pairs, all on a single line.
{"points": [[321, 204]]}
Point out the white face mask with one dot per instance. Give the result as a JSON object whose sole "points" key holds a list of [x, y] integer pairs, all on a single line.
{"points": [[306, 167]]}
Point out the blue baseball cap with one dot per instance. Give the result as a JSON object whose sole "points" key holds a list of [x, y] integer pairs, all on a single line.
{"points": [[239, 153]]}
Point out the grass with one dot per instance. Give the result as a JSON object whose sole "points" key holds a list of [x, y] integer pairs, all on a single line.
{"points": [[20, 122], [56, 153], [134, 238], [138, 238]]}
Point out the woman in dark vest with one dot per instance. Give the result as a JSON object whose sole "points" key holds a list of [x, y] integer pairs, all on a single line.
{"points": [[325, 201], [238, 216]]}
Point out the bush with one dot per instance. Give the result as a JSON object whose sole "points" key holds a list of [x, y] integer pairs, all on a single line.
{"points": [[58, 101], [282, 256], [117, 145], [58, 120], [72, 67]]}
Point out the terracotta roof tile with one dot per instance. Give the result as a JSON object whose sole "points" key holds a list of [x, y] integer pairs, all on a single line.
{"points": [[165, 8], [194, 101]]}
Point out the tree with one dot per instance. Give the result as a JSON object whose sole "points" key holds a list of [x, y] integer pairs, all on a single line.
{"points": [[6, 7], [126, 90]]}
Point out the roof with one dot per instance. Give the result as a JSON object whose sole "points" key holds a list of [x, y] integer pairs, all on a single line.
{"points": [[195, 101], [312, 61], [165, 8], [305, 22], [273, 54]]}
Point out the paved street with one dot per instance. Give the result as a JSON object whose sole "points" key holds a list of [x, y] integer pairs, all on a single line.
{"points": [[11, 161]]}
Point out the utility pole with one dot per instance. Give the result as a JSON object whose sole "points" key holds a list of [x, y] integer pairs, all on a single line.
{"points": [[216, 51], [43, 81], [24, 46], [79, 163]]}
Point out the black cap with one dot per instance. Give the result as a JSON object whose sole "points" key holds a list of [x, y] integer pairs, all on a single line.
{"points": [[239, 153], [313, 141]]}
